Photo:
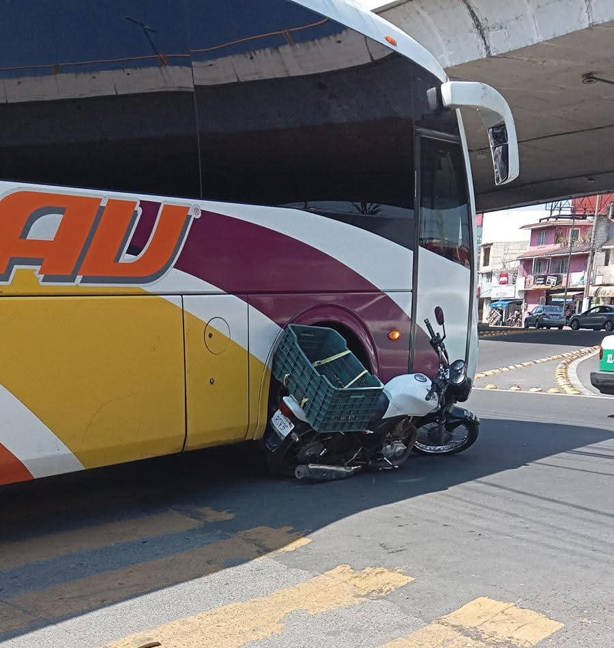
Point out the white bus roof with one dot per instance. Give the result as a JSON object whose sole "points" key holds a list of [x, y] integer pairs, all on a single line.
{"points": [[377, 28]]}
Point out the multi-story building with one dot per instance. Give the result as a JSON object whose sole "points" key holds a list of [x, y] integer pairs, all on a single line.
{"points": [[601, 288], [502, 240], [558, 262]]}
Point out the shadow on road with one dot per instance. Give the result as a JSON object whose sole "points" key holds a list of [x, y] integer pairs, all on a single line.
{"points": [[77, 543]]}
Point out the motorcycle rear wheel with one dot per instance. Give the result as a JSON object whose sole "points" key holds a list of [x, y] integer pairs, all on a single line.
{"points": [[454, 438]]}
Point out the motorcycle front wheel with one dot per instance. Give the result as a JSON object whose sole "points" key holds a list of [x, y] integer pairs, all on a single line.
{"points": [[455, 437]]}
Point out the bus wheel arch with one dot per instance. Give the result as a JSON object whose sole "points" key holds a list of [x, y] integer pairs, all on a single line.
{"points": [[355, 344], [358, 340], [353, 330]]}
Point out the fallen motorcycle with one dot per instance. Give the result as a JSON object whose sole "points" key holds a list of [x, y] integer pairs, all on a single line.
{"points": [[411, 411]]}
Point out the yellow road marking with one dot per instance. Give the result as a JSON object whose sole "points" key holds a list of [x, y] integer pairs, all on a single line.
{"points": [[93, 592], [297, 544], [236, 625], [436, 636], [211, 515], [482, 623], [12, 618], [20, 552]]}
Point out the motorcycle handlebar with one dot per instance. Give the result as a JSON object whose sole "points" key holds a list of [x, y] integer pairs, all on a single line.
{"points": [[429, 328], [437, 344]]}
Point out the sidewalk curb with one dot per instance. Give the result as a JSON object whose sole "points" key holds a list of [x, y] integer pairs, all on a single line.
{"points": [[507, 331], [572, 374], [562, 371]]}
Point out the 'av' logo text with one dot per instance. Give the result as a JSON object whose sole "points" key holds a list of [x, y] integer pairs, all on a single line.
{"points": [[90, 241]]}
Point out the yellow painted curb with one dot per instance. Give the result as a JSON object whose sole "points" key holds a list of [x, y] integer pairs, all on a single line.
{"points": [[561, 375], [569, 355]]}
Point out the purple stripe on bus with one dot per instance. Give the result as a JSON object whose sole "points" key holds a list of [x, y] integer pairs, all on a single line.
{"points": [[288, 280], [257, 259]]}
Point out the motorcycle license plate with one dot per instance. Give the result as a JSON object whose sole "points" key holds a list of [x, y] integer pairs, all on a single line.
{"points": [[282, 424]]}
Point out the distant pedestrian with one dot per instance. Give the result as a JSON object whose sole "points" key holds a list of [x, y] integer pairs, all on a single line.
{"points": [[495, 317]]}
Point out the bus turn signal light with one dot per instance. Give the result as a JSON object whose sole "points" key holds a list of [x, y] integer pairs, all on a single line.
{"points": [[394, 335]]}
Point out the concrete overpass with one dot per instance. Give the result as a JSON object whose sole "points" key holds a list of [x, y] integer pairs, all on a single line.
{"points": [[554, 62]]}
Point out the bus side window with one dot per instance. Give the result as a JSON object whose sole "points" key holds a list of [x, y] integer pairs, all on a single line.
{"points": [[94, 103], [293, 122]]}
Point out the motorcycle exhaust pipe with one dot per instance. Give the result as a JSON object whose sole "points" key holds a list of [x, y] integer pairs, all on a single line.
{"points": [[322, 472]]}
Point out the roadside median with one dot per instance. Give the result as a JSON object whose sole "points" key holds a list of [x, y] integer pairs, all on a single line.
{"points": [[532, 380]]}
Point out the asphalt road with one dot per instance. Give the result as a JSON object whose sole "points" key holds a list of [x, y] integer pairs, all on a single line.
{"points": [[508, 544], [541, 351]]}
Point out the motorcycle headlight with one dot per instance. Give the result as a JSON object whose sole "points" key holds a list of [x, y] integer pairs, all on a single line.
{"points": [[458, 372]]}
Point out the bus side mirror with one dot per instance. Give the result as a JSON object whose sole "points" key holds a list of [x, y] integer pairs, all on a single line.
{"points": [[497, 117], [439, 315], [497, 137]]}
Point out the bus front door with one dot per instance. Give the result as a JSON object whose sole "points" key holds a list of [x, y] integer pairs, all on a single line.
{"points": [[445, 246]]}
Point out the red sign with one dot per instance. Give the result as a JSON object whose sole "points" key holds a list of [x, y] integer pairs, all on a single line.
{"points": [[504, 279]]}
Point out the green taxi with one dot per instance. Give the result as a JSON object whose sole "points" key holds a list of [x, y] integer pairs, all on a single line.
{"points": [[603, 379]]}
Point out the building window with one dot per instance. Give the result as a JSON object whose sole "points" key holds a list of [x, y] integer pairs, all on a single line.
{"points": [[558, 265], [540, 266], [541, 237], [486, 256], [574, 235]]}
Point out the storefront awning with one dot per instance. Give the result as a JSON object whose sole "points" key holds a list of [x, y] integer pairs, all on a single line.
{"points": [[504, 303], [558, 290]]}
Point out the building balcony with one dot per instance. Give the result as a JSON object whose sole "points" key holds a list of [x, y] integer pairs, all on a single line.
{"points": [[603, 275], [557, 250], [554, 281]]}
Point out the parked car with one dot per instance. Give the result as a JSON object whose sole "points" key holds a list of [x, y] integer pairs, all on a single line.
{"points": [[603, 379], [545, 317], [597, 317]]}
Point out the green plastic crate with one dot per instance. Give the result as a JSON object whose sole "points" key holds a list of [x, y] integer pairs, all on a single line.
{"points": [[332, 386]]}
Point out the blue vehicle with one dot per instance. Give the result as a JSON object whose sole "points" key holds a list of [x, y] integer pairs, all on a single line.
{"points": [[545, 317]]}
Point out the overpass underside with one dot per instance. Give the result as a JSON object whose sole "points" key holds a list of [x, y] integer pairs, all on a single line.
{"points": [[553, 60]]}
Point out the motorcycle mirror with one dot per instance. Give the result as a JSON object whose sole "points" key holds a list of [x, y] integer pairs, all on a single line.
{"points": [[439, 315]]}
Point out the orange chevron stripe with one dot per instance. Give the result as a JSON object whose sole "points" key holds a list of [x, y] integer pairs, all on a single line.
{"points": [[11, 469]]}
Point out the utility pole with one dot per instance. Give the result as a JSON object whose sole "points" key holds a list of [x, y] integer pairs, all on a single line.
{"points": [[573, 221], [591, 257]]}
